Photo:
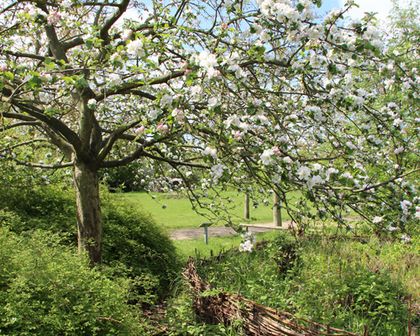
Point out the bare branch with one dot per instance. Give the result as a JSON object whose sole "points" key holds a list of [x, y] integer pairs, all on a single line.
{"points": [[122, 7], [130, 158], [174, 162], [128, 87], [20, 124]]}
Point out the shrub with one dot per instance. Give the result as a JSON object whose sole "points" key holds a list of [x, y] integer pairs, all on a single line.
{"points": [[132, 238], [127, 178], [342, 283], [132, 244], [47, 289]]}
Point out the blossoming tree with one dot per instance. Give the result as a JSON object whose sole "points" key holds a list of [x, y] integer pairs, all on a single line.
{"points": [[243, 89]]}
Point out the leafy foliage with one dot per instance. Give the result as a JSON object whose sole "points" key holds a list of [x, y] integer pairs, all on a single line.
{"points": [[342, 283], [47, 289], [133, 244]]}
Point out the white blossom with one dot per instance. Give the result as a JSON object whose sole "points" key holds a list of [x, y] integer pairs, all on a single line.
{"points": [[266, 157], [92, 103], [217, 172], [210, 151], [136, 48], [377, 219], [304, 173]]}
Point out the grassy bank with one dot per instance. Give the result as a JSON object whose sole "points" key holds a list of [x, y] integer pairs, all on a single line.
{"points": [[340, 282]]}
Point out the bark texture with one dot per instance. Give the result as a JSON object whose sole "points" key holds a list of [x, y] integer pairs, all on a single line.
{"points": [[89, 219]]}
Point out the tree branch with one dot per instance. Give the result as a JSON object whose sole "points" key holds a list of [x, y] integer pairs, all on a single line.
{"points": [[130, 158], [126, 88], [122, 7], [174, 162]]}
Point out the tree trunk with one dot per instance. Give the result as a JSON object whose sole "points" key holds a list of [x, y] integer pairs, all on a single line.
{"points": [[277, 210], [89, 220], [246, 206]]}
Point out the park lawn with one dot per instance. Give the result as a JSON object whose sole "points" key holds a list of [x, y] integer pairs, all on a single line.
{"points": [[198, 249], [173, 211]]}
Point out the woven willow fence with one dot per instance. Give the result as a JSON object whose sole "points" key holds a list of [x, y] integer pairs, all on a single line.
{"points": [[256, 319]]}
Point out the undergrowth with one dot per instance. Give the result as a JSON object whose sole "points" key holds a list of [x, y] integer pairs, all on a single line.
{"points": [[338, 281]]}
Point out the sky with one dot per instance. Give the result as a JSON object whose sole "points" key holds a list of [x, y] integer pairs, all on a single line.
{"points": [[382, 7]]}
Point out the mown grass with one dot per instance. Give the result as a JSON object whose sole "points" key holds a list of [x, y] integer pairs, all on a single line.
{"points": [[173, 211], [198, 249]]}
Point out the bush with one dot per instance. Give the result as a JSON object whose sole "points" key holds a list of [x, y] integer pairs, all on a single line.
{"points": [[132, 244], [132, 239], [47, 289], [342, 283], [130, 177]]}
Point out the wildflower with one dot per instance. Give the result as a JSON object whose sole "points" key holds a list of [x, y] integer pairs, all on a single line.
{"points": [[405, 238], [246, 246]]}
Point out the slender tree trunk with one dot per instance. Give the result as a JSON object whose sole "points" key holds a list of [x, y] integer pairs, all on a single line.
{"points": [[277, 210], [246, 206], [89, 220]]}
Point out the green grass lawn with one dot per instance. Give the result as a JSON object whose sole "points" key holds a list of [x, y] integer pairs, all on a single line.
{"points": [[172, 211], [197, 247]]}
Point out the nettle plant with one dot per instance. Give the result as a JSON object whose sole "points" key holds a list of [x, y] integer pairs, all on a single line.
{"points": [[261, 90]]}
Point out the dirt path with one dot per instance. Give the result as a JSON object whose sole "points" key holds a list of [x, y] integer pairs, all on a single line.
{"points": [[220, 231]]}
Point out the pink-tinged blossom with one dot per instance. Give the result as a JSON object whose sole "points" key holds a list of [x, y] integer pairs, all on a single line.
{"points": [[237, 135], [162, 128], [178, 115], [287, 160], [276, 150], [53, 18], [126, 34], [139, 130]]}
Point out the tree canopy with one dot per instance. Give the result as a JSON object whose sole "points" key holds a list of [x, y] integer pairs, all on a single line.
{"points": [[263, 90]]}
